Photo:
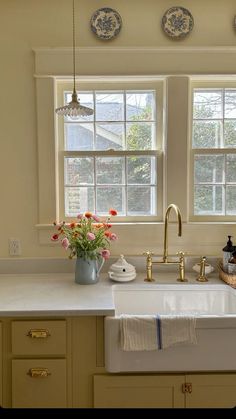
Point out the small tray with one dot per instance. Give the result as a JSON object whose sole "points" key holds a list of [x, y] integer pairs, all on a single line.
{"points": [[230, 279]]}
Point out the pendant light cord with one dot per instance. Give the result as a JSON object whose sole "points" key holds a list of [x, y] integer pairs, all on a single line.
{"points": [[73, 25]]}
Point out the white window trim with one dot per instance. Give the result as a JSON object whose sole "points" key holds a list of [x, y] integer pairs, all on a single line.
{"points": [[197, 64], [111, 85]]}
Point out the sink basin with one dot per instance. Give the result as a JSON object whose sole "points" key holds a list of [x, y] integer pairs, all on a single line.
{"points": [[214, 307], [173, 299]]}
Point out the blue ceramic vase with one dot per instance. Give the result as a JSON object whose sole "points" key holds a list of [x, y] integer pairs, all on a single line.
{"points": [[87, 268]]}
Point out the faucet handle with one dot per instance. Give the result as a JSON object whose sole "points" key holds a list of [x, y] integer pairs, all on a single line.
{"points": [[181, 267], [202, 276], [148, 253]]}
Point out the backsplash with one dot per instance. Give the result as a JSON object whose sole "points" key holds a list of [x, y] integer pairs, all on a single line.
{"points": [[65, 265]]}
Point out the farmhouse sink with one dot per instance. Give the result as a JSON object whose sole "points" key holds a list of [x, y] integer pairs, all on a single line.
{"points": [[214, 307], [174, 299]]}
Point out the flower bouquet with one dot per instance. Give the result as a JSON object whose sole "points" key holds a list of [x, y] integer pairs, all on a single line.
{"points": [[88, 239], [88, 235]]}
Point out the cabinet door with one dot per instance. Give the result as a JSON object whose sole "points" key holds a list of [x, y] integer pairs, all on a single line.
{"points": [[211, 390], [138, 391], [0, 364], [39, 383]]}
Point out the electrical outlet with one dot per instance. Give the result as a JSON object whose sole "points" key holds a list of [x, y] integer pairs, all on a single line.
{"points": [[14, 247]]}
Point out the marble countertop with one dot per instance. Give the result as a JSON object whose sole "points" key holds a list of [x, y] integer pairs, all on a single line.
{"points": [[29, 295]]}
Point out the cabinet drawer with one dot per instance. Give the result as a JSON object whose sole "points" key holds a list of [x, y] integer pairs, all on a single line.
{"points": [[39, 383], [38, 337]]}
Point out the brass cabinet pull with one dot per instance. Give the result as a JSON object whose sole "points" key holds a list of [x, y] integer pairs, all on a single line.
{"points": [[38, 333], [39, 372], [187, 388]]}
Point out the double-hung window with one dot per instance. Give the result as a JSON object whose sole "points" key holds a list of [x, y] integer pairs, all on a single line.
{"points": [[113, 158], [213, 153]]}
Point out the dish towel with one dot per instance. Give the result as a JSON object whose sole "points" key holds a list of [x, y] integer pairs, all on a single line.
{"points": [[149, 332]]}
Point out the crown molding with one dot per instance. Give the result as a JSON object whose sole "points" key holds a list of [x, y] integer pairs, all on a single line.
{"points": [[127, 61]]}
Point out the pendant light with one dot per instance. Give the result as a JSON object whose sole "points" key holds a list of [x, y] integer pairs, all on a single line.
{"points": [[74, 108]]}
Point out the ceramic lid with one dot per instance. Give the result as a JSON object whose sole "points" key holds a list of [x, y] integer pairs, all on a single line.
{"points": [[122, 266]]}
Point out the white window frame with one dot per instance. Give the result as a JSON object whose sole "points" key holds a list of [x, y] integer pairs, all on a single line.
{"points": [[211, 83], [111, 85], [139, 64]]}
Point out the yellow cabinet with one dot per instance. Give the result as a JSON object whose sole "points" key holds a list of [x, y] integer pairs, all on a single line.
{"points": [[138, 391], [60, 363], [191, 391], [211, 390], [1, 348], [40, 378], [39, 383]]}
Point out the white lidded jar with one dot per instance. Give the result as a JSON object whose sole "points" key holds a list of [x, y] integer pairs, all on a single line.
{"points": [[122, 271]]}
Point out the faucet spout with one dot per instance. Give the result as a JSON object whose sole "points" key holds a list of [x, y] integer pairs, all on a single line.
{"points": [[178, 215]]}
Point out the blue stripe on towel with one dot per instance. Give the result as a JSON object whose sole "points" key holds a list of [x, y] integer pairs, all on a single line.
{"points": [[159, 333]]}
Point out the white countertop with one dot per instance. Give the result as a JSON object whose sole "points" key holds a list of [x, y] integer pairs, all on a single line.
{"points": [[29, 295]]}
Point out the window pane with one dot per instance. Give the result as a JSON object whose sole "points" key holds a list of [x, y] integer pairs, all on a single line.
{"points": [[78, 200], [230, 104], [140, 106], [122, 120], [141, 170], [208, 200], [110, 170], [140, 136], [86, 99], [79, 171], [79, 137], [207, 134], [109, 106], [207, 104], [141, 200], [208, 168], [231, 200], [110, 197], [230, 133], [110, 136], [231, 168]]}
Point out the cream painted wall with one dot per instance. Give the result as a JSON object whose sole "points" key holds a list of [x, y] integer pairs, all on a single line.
{"points": [[25, 24]]}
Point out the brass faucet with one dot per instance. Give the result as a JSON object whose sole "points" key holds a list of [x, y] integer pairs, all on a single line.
{"points": [[165, 260], [202, 276]]}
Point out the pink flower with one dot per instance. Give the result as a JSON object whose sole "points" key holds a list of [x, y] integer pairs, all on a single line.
{"points": [[105, 253], [96, 218], [113, 236], [65, 243], [90, 236], [80, 216], [55, 237]]}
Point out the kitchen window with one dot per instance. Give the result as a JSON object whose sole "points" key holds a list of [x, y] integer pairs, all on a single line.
{"points": [[113, 158], [213, 153]]}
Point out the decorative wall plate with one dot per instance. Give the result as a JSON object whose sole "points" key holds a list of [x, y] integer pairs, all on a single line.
{"points": [[177, 22], [106, 23]]}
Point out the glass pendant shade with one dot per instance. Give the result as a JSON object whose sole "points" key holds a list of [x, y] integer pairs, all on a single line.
{"points": [[74, 108]]}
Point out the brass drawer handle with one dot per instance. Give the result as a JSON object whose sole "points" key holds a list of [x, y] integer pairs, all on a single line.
{"points": [[38, 333], [39, 372]]}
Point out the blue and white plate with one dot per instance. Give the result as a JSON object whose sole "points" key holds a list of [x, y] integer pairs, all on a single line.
{"points": [[106, 23], [177, 22]]}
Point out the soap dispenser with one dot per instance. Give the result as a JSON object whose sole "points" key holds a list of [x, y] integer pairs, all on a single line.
{"points": [[227, 253]]}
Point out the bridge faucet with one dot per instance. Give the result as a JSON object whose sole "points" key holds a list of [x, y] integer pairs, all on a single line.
{"points": [[165, 260]]}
